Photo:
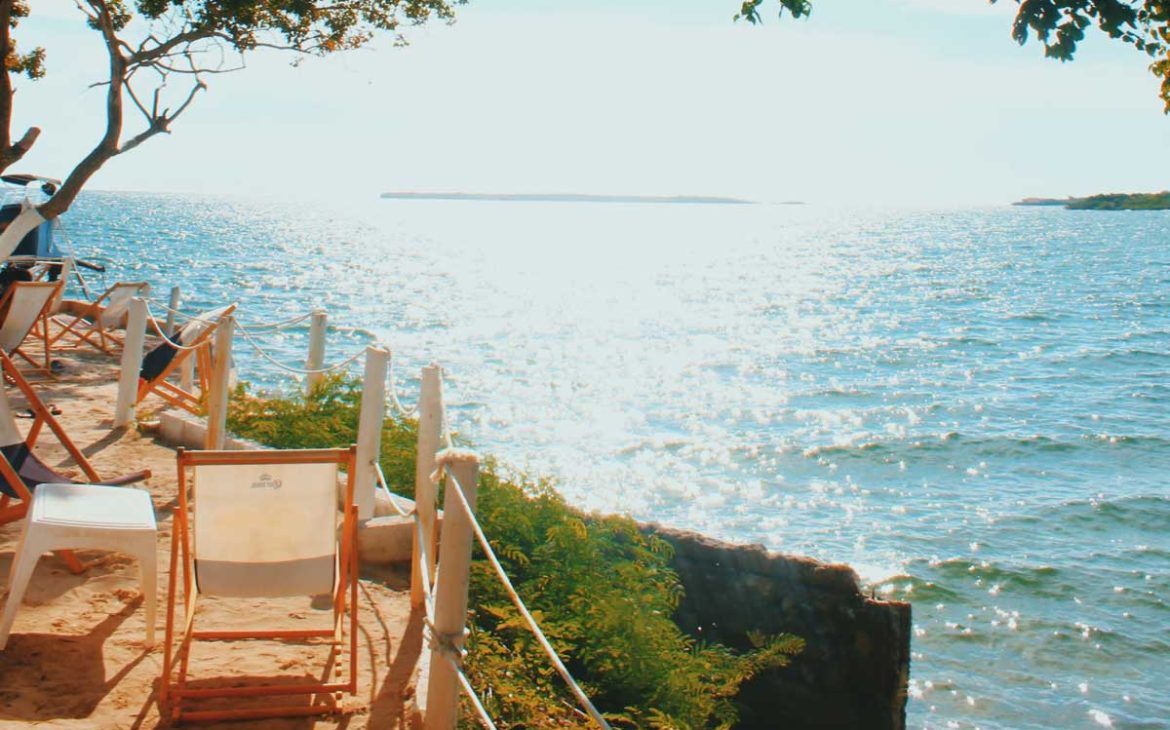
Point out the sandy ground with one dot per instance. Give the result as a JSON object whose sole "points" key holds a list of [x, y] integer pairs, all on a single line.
{"points": [[75, 658]]}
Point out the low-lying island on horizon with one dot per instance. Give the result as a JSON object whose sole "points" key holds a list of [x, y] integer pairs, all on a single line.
{"points": [[571, 198]]}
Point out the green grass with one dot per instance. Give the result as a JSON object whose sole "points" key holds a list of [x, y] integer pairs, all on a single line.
{"points": [[601, 589]]}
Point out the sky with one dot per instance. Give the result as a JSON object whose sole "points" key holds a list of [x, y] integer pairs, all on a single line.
{"points": [[899, 102]]}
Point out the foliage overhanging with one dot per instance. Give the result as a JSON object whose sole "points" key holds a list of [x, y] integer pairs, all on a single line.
{"points": [[1060, 26]]}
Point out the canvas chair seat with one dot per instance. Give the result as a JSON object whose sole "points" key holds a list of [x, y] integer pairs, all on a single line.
{"points": [[262, 524], [23, 306]]}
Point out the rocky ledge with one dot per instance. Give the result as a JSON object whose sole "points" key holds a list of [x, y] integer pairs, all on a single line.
{"points": [[855, 666]]}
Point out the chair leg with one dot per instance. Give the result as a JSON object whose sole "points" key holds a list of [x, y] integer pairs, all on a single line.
{"points": [[71, 561], [23, 562], [148, 567]]}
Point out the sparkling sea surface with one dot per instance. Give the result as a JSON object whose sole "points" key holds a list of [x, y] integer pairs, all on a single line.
{"points": [[971, 407]]}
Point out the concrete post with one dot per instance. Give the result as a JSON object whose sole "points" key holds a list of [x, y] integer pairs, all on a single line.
{"points": [[316, 359], [430, 435], [169, 330], [187, 374], [451, 590], [131, 363], [370, 420], [217, 397]]}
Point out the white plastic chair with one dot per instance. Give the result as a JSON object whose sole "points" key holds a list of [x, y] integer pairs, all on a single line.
{"points": [[85, 516]]}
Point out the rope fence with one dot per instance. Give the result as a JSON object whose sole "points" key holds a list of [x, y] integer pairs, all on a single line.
{"points": [[296, 370], [402, 410], [518, 602], [432, 466]]}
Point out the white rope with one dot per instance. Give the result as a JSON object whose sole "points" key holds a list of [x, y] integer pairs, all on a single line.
{"points": [[299, 371], [519, 603], [168, 308], [402, 411], [391, 495], [159, 331], [484, 719], [282, 324]]}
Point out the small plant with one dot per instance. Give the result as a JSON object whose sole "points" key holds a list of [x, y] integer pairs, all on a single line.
{"points": [[601, 589]]}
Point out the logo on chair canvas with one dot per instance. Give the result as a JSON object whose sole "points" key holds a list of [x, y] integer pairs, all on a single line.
{"points": [[266, 482]]}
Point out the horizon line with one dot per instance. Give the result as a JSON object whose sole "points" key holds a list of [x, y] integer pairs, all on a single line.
{"points": [[567, 198]]}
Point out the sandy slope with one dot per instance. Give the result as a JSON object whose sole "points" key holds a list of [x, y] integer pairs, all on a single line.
{"points": [[75, 656]]}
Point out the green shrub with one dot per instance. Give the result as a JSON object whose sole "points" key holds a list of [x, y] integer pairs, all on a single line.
{"points": [[601, 589]]}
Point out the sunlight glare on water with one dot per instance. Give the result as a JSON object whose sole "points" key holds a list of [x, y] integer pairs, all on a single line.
{"points": [[969, 406]]}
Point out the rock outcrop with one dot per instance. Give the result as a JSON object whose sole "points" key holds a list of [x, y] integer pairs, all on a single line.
{"points": [[856, 663]]}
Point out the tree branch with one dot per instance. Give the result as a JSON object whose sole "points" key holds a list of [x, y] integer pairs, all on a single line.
{"points": [[145, 56], [5, 78], [107, 147]]}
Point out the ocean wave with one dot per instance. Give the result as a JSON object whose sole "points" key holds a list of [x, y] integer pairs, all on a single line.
{"points": [[1134, 513], [944, 444], [1046, 580]]}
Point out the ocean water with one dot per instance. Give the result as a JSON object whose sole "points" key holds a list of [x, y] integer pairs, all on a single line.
{"points": [[972, 407]]}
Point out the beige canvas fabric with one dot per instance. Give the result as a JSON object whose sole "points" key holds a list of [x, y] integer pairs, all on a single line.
{"points": [[265, 530], [118, 304], [28, 300]]}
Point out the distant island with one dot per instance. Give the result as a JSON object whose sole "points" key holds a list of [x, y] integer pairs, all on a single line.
{"points": [[571, 198], [1108, 201]]}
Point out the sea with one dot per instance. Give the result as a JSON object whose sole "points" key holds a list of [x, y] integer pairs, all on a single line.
{"points": [[969, 406]]}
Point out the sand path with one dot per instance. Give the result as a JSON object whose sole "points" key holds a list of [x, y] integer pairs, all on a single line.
{"points": [[75, 658]]}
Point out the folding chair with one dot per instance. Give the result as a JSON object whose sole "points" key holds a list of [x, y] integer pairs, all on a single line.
{"points": [[25, 305], [192, 340], [100, 317], [22, 471], [261, 524]]}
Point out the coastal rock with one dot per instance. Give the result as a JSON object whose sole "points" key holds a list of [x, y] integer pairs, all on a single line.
{"points": [[855, 666]]}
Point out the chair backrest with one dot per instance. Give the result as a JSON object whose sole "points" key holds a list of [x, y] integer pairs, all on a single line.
{"points": [[265, 522], [160, 361], [117, 300], [26, 300], [195, 328]]}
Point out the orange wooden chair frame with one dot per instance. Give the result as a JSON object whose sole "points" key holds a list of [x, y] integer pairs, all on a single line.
{"points": [[172, 393], [106, 340], [12, 510], [40, 329], [173, 688]]}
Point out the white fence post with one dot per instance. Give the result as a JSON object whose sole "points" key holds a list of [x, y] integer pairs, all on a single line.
{"points": [[316, 359], [187, 374], [217, 398], [369, 437], [430, 435], [174, 305], [451, 590], [131, 363]]}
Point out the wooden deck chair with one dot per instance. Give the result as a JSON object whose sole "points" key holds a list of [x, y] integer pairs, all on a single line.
{"points": [[194, 340], [262, 524], [100, 317], [21, 470], [25, 306]]}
